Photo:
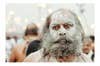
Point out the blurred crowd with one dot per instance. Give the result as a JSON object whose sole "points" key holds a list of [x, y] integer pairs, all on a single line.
{"points": [[16, 48]]}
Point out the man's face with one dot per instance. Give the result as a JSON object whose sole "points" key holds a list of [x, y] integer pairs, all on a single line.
{"points": [[65, 37], [62, 26]]}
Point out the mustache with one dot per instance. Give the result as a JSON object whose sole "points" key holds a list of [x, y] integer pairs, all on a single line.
{"points": [[63, 41], [62, 47]]}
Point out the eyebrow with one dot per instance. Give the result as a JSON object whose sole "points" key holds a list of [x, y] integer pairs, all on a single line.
{"points": [[63, 23], [55, 24]]}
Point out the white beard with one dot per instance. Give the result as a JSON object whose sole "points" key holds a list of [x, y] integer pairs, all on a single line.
{"points": [[63, 47]]}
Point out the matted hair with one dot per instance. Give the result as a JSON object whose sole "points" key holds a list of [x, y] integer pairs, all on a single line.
{"points": [[77, 21], [49, 44]]}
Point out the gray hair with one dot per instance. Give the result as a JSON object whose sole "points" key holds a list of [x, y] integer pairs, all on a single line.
{"points": [[78, 37]]}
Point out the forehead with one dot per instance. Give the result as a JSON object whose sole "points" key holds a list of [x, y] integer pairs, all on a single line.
{"points": [[62, 16]]}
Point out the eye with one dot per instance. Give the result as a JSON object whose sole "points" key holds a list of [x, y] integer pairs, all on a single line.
{"points": [[56, 27], [67, 26]]}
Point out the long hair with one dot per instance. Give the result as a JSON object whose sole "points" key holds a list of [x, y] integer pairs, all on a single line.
{"points": [[47, 41]]}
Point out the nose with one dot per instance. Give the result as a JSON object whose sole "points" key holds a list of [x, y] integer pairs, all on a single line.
{"points": [[62, 34]]}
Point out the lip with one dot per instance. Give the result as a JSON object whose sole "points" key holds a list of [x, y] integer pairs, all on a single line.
{"points": [[60, 40], [63, 41]]}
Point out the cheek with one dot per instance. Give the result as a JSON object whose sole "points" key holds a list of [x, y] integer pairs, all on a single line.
{"points": [[53, 33], [71, 31]]}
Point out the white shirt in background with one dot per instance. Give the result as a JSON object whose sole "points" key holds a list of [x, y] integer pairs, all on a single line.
{"points": [[9, 45]]}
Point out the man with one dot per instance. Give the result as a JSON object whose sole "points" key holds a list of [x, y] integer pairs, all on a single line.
{"points": [[62, 39], [88, 47], [10, 43], [18, 52]]}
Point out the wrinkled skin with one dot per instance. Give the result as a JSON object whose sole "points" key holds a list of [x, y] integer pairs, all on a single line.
{"points": [[63, 37]]}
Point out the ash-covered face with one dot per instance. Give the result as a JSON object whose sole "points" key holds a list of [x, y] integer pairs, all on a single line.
{"points": [[62, 25], [63, 37]]}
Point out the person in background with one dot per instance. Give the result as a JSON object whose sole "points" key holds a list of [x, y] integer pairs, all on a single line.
{"points": [[93, 47], [19, 51], [10, 42], [33, 47], [88, 47], [15, 38]]}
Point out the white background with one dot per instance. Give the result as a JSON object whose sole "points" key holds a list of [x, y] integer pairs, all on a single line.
{"points": [[19, 15], [3, 25]]}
